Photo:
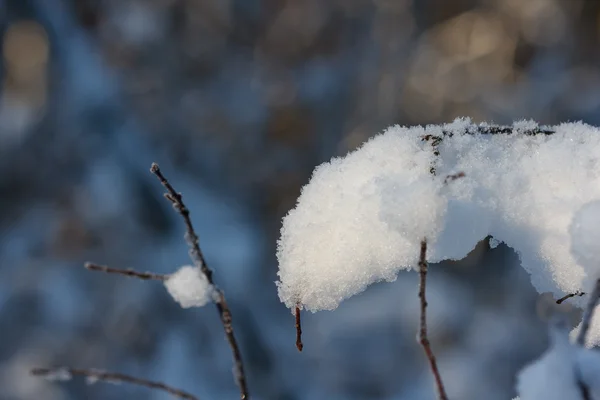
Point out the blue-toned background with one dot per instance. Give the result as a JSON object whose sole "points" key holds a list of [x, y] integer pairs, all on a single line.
{"points": [[238, 101]]}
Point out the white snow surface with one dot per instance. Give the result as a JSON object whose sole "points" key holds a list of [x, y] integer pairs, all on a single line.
{"points": [[585, 240], [189, 287], [561, 372], [361, 217]]}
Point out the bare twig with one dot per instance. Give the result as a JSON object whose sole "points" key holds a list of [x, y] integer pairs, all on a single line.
{"points": [[126, 272], [588, 313], [112, 377], [568, 296], [453, 177], [423, 338], [299, 344], [199, 261]]}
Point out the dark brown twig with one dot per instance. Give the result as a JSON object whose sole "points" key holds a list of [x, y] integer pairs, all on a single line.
{"points": [[568, 296], [453, 177], [126, 272], [423, 338], [112, 377], [199, 261], [588, 313], [299, 344]]}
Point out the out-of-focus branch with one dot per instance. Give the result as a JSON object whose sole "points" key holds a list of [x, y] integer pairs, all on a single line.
{"points": [[126, 272], [588, 313], [423, 338], [110, 377], [199, 261]]}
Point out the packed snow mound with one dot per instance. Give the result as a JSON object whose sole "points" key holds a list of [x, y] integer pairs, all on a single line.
{"points": [[361, 217]]}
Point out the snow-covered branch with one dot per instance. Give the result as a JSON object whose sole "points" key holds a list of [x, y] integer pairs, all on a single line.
{"points": [[360, 217]]}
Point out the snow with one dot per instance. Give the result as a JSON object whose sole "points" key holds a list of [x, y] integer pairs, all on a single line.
{"points": [[552, 375], [593, 335], [585, 237], [59, 375], [189, 287], [561, 372], [361, 217]]}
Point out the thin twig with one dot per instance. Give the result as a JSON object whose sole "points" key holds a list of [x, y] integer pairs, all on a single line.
{"points": [[453, 177], [126, 272], [111, 377], [588, 313], [423, 338], [568, 296], [199, 261], [299, 344]]}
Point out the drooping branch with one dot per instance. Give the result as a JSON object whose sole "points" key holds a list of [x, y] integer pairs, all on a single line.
{"points": [[199, 261], [423, 338], [127, 272], [109, 377], [588, 314]]}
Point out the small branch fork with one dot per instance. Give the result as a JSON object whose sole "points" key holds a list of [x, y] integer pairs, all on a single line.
{"points": [[199, 261], [110, 377], [423, 338]]}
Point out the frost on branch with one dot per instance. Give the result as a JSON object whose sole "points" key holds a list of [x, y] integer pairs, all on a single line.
{"points": [[189, 287], [361, 217]]}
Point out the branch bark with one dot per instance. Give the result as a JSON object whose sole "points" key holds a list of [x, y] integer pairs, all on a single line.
{"points": [[127, 272], [423, 338], [199, 261], [299, 344]]}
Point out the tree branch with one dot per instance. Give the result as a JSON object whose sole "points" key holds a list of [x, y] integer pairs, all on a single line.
{"points": [[299, 344], [111, 377], [127, 272], [588, 314], [568, 296], [481, 129], [423, 338], [199, 261]]}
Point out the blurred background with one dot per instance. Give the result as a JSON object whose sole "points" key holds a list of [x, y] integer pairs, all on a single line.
{"points": [[238, 101]]}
